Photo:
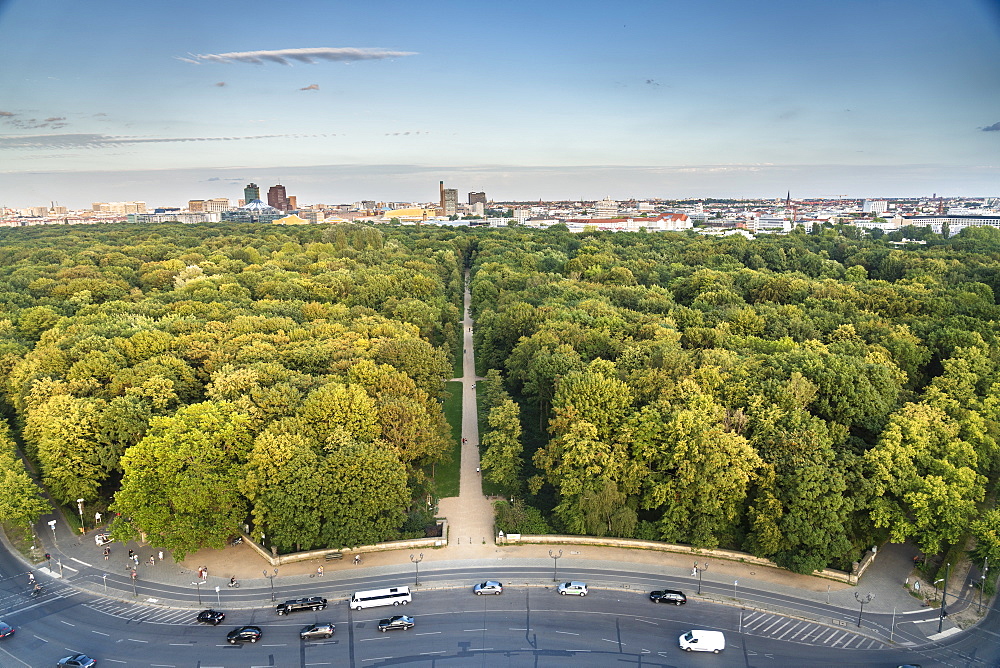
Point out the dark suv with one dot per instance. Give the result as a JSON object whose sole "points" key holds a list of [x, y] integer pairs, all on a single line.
{"points": [[668, 596], [311, 603]]}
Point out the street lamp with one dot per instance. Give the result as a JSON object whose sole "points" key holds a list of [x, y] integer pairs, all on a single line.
{"points": [[79, 505], [197, 583], [52, 525], [134, 592], [868, 598], [416, 565], [268, 575], [555, 563], [699, 569], [982, 583], [944, 598]]}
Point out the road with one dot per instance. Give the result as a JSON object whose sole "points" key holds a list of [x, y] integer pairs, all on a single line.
{"points": [[529, 625]]}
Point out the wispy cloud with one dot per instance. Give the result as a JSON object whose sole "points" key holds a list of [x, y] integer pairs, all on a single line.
{"points": [[311, 87], [992, 128], [403, 134], [89, 141], [221, 84], [286, 56], [16, 120]]}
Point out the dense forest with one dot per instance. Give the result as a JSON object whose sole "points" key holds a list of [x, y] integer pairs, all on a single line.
{"points": [[200, 378], [800, 397]]}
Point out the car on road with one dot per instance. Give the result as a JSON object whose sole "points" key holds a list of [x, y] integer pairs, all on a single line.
{"points": [[317, 631], [697, 640], [244, 634], [6, 630], [488, 587], [76, 661], [575, 588], [396, 623], [674, 596], [311, 603], [213, 617]]}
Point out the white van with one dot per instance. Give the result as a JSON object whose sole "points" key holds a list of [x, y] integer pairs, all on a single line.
{"points": [[703, 641]]}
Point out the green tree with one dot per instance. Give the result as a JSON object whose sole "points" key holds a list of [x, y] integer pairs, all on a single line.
{"points": [[502, 461]]}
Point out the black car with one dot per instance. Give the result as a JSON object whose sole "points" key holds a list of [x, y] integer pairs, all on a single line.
{"points": [[244, 634], [399, 622], [311, 603], [6, 630], [668, 596], [213, 617], [317, 631], [76, 661]]}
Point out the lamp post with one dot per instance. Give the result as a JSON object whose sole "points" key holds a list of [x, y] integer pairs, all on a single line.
{"points": [[271, 577], [944, 598], [197, 583], [867, 598], [416, 565], [735, 582], [105, 576], [79, 506], [982, 583], [699, 570], [134, 592], [555, 564]]}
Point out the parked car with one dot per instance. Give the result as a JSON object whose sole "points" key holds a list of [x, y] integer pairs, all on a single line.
{"points": [[103, 539], [668, 596], [317, 631], [488, 587], [574, 587], [311, 603], [244, 634], [213, 617], [76, 661], [6, 630], [396, 623], [703, 641]]}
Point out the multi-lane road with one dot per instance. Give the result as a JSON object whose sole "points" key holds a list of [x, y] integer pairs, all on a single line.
{"points": [[528, 625]]}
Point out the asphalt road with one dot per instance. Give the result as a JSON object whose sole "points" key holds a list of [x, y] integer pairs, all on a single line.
{"points": [[529, 625]]}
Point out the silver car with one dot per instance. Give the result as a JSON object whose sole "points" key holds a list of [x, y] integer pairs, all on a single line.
{"points": [[574, 587], [488, 587]]}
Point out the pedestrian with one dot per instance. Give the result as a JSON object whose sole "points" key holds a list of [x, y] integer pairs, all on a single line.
{"points": [[473, 386], [161, 555], [107, 553], [130, 554], [357, 559], [464, 439], [135, 558], [205, 570], [319, 571], [31, 578], [201, 574], [152, 560], [477, 469]]}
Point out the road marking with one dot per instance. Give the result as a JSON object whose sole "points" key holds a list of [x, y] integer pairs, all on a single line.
{"points": [[114, 660], [135, 640], [606, 640], [380, 658], [427, 653], [162, 665], [326, 663], [646, 621], [40, 638], [568, 633], [472, 630], [428, 633], [381, 637], [100, 633], [67, 623], [81, 562], [510, 629]]}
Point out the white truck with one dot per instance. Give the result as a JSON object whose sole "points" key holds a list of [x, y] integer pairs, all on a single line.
{"points": [[703, 641]]}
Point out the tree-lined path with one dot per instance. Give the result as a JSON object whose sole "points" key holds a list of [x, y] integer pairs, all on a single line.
{"points": [[470, 514]]}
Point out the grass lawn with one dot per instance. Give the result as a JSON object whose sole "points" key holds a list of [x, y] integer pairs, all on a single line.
{"points": [[446, 474]]}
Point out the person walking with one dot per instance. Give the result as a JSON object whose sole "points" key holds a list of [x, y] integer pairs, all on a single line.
{"points": [[107, 553], [130, 553], [31, 578], [152, 560], [319, 570], [161, 555]]}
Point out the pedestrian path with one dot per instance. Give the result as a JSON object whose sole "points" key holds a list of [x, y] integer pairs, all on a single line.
{"points": [[470, 514]]}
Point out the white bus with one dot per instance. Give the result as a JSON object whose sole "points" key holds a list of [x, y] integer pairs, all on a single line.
{"points": [[377, 597]]}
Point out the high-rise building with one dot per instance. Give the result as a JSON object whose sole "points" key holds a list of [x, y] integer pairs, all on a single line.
{"points": [[251, 192], [477, 198], [449, 200], [293, 202], [277, 197]]}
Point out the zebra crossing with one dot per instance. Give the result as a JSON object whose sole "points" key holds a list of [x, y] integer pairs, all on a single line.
{"points": [[806, 633], [147, 614]]}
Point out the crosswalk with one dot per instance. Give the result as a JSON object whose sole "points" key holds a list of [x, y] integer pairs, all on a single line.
{"points": [[803, 632], [148, 614]]}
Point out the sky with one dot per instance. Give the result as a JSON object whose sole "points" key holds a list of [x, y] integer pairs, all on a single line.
{"points": [[111, 100]]}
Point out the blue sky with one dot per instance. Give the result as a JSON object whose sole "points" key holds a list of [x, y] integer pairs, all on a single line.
{"points": [[109, 100]]}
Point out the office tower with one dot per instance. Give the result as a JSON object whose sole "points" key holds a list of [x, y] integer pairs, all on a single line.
{"points": [[477, 198], [293, 202], [277, 198], [449, 200], [251, 192]]}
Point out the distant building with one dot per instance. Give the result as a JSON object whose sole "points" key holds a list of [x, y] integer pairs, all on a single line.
{"points": [[449, 201], [175, 217], [293, 202], [253, 212], [875, 206], [216, 204], [119, 207], [606, 208], [251, 192], [277, 197], [477, 198]]}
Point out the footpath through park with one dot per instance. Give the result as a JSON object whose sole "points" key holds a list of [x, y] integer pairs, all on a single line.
{"points": [[78, 562]]}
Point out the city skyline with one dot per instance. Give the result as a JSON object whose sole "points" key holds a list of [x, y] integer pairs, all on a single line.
{"points": [[554, 100]]}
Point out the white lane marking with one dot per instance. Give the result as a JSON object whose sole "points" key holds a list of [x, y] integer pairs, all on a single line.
{"points": [[114, 660], [646, 621], [14, 657], [427, 653], [428, 633], [40, 638], [162, 665], [606, 640], [66, 623], [81, 562], [136, 640], [381, 637], [510, 629], [472, 630], [100, 633], [568, 633], [379, 658]]}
